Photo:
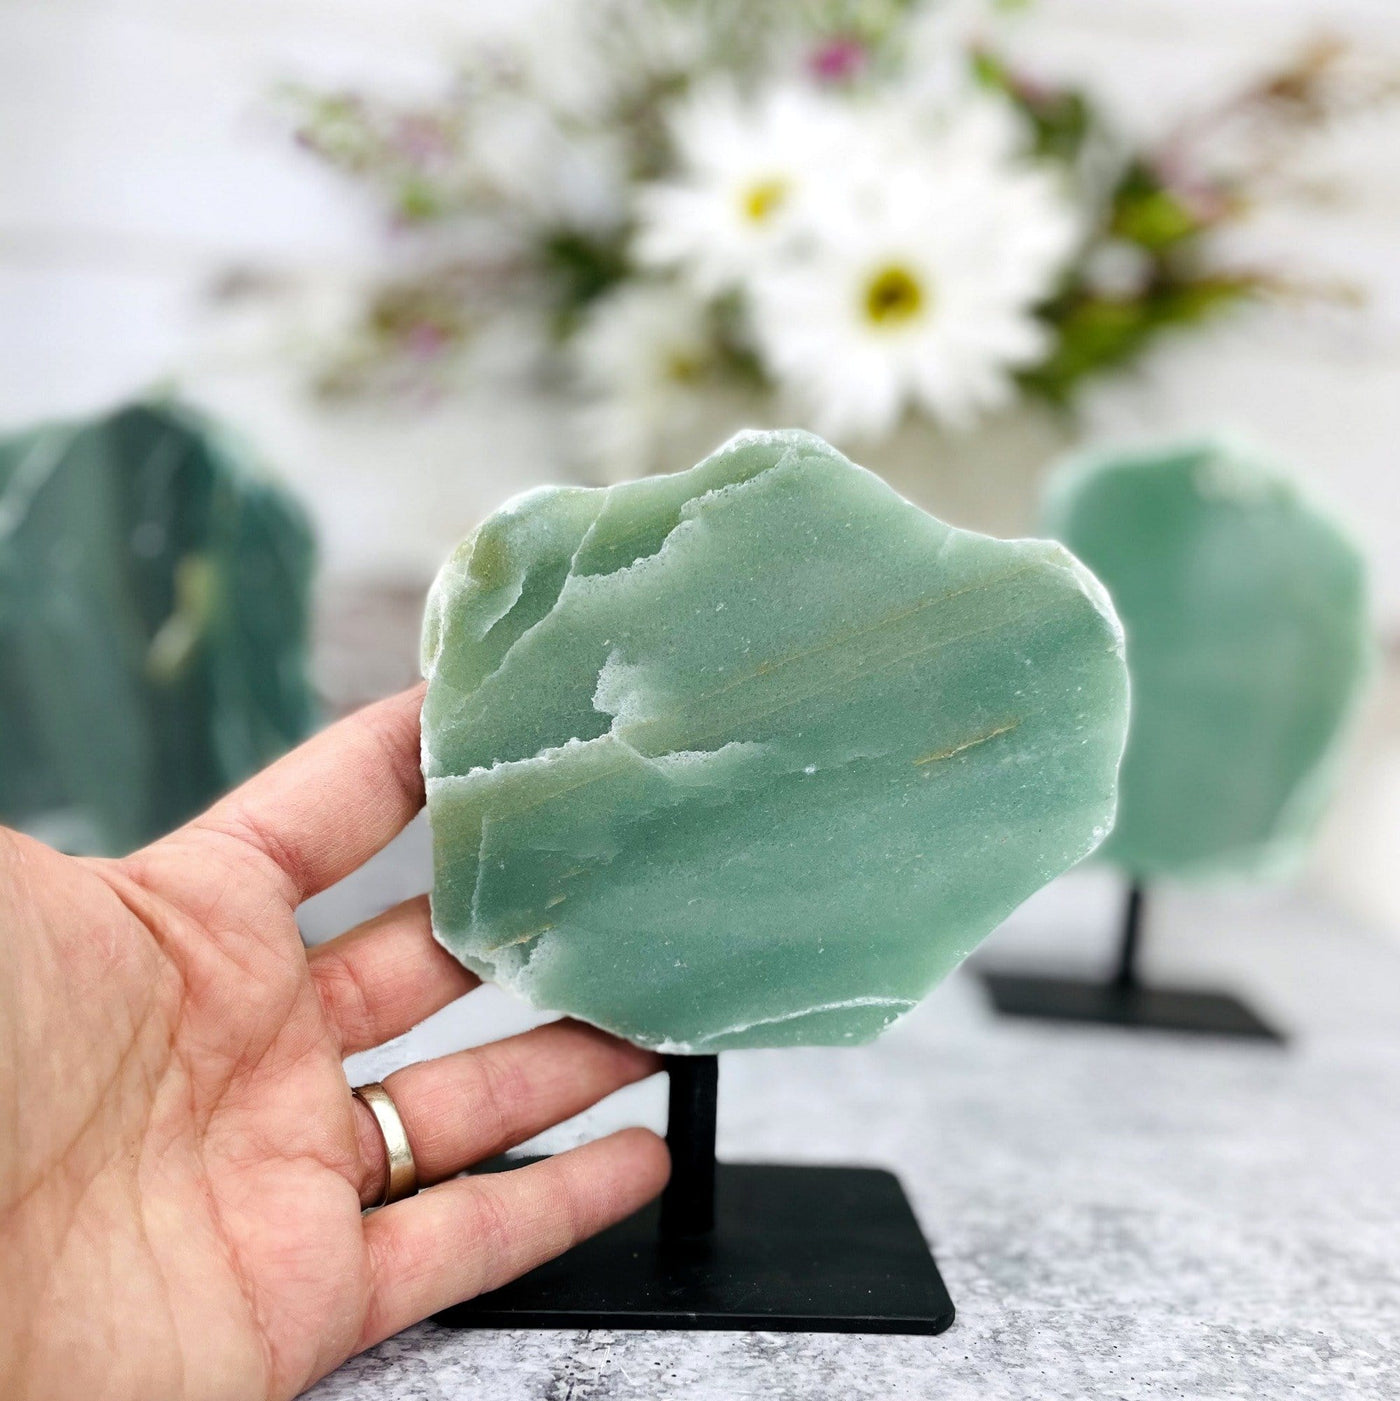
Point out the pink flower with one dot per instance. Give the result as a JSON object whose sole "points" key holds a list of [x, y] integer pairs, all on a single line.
{"points": [[420, 139], [425, 341], [837, 60]]}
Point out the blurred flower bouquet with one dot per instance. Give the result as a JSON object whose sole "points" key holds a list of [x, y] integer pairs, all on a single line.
{"points": [[850, 214]]}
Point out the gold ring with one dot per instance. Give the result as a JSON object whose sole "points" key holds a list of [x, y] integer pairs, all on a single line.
{"points": [[401, 1176]]}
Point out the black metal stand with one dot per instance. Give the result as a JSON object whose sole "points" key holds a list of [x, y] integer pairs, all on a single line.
{"points": [[688, 1203], [736, 1246], [1125, 1000], [1125, 974]]}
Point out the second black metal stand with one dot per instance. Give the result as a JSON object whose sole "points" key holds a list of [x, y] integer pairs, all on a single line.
{"points": [[736, 1246], [1125, 974], [1124, 1000]]}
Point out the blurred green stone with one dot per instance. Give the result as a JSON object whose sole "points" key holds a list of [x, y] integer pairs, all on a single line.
{"points": [[755, 754], [153, 624], [1245, 612]]}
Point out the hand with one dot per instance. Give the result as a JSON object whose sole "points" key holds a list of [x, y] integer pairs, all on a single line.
{"points": [[182, 1166]]}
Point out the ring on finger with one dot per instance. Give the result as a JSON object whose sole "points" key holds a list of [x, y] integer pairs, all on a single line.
{"points": [[401, 1172]]}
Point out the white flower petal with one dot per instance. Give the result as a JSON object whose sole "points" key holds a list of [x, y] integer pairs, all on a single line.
{"points": [[983, 239]]}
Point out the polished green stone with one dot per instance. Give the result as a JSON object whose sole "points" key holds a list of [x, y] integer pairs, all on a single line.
{"points": [[154, 602], [755, 754], [1245, 611]]}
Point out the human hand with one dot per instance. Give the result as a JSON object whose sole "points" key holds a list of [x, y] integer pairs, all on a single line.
{"points": [[182, 1166]]}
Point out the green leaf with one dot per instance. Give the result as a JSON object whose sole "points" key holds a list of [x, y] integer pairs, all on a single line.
{"points": [[418, 200], [581, 269], [1098, 333], [1149, 214], [1060, 118]]}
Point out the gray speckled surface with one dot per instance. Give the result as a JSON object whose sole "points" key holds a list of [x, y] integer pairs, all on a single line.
{"points": [[1120, 1215]]}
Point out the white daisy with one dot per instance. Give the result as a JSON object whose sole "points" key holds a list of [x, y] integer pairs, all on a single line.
{"points": [[750, 181], [921, 298], [641, 358]]}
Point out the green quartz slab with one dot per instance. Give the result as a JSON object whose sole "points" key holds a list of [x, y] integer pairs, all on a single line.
{"points": [[154, 607], [1245, 611], [755, 754]]}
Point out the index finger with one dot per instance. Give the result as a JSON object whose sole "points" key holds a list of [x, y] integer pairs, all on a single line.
{"points": [[323, 810]]}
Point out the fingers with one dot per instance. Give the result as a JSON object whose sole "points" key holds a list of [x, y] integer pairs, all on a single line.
{"points": [[476, 1233], [327, 807], [472, 1105], [386, 976]]}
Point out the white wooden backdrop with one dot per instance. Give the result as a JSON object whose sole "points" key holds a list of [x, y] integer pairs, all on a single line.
{"points": [[138, 161]]}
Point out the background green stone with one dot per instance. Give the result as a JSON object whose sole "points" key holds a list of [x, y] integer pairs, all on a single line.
{"points": [[1245, 612], [153, 624], [755, 754]]}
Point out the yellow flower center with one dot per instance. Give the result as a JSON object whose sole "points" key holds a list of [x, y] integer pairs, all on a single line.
{"points": [[682, 366], [893, 296], [761, 200]]}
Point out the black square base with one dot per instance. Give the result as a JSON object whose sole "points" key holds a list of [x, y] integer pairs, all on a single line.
{"points": [[794, 1249], [1109, 1004]]}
